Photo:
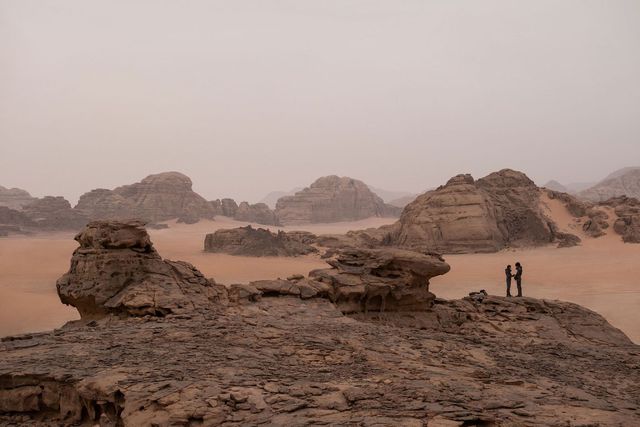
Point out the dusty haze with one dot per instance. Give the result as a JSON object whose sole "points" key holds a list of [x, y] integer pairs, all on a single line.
{"points": [[249, 97]]}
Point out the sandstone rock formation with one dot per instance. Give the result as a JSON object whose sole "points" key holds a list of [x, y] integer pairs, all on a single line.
{"points": [[116, 270], [627, 223], [13, 221], [14, 198], [281, 353], [225, 207], [105, 204], [258, 213], [332, 199], [54, 213], [380, 279], [249, 241], [500, 210], [595, 218], [159, 197], [625, 182]]}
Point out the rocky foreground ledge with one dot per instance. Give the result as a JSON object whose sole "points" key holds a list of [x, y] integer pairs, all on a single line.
{"points": [[284, 352]]}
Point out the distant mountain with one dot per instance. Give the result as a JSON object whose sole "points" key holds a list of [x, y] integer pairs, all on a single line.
{"points": [[556, 186], [401, 202], [576, 187], [389, 195], [623, 182]]}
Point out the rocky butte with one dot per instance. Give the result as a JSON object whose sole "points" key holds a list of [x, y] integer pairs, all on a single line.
{"points": [[332, 199], [362, 342], [158, 197]]}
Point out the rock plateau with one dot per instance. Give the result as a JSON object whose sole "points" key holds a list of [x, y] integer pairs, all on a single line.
{"points": [[249, 241], [282, 352]]}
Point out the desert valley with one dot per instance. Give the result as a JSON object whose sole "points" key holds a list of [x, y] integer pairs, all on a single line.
{"points": [[574, 249], [319, 213]]}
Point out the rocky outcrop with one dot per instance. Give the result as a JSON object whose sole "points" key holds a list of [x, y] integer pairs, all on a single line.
{"points": [[625, 182], [280, 352], [380, 279], [12, 220], [332, 199], [249, 241], [500, 210], [116, 270], [105, 204], [14, 198], [54, 213], [627, 223], [159, 197], [258, 213]]}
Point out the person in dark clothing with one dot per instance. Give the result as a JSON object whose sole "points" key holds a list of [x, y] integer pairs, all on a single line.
{"points": [[508, 275], [518, 277]]}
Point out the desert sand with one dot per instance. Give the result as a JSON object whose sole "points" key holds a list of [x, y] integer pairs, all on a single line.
{"points": [[601, 274]]}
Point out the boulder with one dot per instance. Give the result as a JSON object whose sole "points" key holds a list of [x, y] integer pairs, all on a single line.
{"points": [[14, 198], [158, 197], [14, 218], [332, 199], [249, 241], [363, 280], [627, 224], [116, 270]]}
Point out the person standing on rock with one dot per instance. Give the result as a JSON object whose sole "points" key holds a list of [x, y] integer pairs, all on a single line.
{"points": [[518, 277], [508, 276]]}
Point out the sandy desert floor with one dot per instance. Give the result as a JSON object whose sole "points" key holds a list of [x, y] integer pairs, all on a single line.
{"points": [[602, 274]]}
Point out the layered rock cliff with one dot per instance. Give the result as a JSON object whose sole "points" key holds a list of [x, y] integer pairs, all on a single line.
{"points": [[332, 199], [160, 197], [14, 198]]}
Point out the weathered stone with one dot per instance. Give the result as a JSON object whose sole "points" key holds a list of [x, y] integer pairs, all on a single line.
{"points": [[159, 197], [117, 270], [297, 360], [54, 213], [380, 279], [332, 199], [497, 211], [14, 198], [249, 241], [628, 222], [258, 213]]}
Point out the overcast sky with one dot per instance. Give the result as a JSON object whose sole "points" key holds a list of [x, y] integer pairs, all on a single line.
{"points": [[247, 97]]}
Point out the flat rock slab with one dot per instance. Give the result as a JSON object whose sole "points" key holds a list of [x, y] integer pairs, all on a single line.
{"points": [[287, 361]]}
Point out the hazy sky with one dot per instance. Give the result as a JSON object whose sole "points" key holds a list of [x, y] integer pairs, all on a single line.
{"points": [[247, 97]]}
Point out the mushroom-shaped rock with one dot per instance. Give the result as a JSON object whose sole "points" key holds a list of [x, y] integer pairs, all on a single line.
{"points": [[116, 270], [381, 279]]}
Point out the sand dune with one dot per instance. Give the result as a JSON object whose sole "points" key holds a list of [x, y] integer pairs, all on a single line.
{"points": [[603, 274]]}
